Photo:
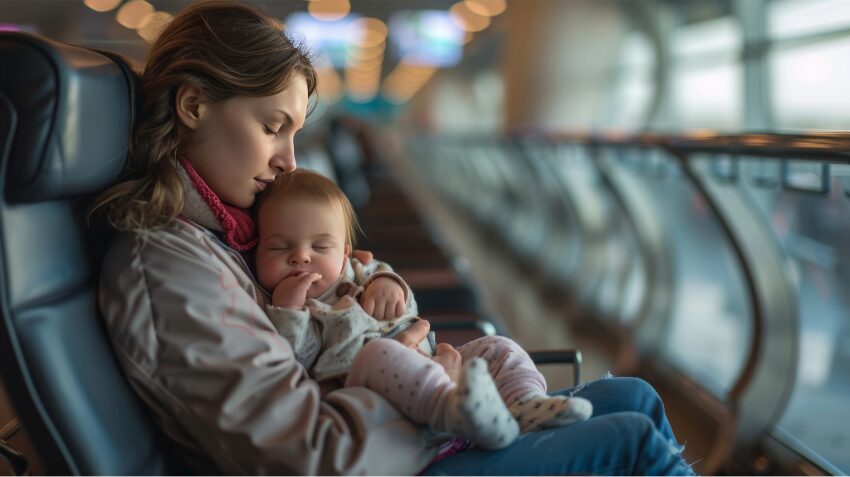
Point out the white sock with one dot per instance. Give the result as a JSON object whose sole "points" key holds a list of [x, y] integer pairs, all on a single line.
{"points": [[476, 411], [538, 411]]}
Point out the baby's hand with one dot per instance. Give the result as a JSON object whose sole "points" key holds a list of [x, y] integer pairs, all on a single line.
{"points": [[291, 292], [383, 299], [449, 358]]}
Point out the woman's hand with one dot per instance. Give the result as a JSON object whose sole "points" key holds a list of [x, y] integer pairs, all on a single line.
{"points": [[417, 332], [449, 358], [291, 292], [383, 299], [364, 256]]}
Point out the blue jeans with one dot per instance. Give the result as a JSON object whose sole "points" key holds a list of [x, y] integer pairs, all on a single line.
{"points": [[628, 435]]}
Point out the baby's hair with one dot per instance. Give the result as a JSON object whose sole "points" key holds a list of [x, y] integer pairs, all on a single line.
{"points": [[307, 185]]}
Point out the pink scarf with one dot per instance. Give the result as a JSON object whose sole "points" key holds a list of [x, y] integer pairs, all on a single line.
{"points": [[239, 231]]}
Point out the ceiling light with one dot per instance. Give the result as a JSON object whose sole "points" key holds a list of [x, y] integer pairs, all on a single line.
{"points": [[329, 10], [467, 19], [490, 8], [153, 25], [102, 5], [134, 13], [373, 24]]}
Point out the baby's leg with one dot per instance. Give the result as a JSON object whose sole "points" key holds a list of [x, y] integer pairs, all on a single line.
{"points": [[522, 386], [421, 389]]}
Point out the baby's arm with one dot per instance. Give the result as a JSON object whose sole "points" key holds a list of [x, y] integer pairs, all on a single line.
{"points": [[385, 294], [292, 319], [300, 331]]}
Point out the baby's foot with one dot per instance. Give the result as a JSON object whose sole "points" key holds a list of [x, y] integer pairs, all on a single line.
{"points": [[541, 411], [477, 410]]}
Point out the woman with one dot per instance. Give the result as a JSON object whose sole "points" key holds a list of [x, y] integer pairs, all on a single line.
{"points": [[224, 93]]}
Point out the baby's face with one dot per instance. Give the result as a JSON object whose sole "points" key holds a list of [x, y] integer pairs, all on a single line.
{"points": [[299, 235]]}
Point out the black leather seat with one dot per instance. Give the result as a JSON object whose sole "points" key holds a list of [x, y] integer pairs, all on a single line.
{"points": [[66, 115]]}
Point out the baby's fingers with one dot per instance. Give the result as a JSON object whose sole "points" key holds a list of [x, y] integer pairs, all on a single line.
{"points": [[399, 308]]}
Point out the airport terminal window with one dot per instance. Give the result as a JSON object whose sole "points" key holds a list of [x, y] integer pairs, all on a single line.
{"points": [[793, 18], [633, 83], [710, 310], [813, 230], [706, 76], [809, 88]]}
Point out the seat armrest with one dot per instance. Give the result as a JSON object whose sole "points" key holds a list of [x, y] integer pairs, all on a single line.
{"points": [[485, 327], [17, 461], [566, 356]]}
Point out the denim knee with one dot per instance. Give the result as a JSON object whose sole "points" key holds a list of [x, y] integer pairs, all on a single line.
{"points": [[639, 388]]}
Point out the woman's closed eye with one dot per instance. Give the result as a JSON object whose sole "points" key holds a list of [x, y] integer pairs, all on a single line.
{"points": [[270, 131]]}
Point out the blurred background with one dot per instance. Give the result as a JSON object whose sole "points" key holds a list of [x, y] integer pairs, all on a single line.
{"points": [[490, 64], [662, 184]]}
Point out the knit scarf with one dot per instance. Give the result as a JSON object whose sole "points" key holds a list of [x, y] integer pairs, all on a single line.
{"points": [[237, 225]]}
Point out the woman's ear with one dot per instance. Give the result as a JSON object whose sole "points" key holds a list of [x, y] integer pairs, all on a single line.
{"points": [[347, 250], [190, 104]]}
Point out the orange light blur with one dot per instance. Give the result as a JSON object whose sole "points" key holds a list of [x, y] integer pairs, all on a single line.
{"points": [[134, 13], [102, 5], [329, 10], [467, 19]]}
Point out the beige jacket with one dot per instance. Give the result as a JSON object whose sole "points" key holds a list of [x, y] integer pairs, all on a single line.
{"points": [[181, 310]]}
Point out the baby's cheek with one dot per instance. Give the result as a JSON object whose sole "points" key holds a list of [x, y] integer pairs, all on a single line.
{"points": [[269, 274]]}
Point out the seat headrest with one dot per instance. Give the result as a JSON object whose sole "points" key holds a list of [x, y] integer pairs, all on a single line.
{"points": [[70, 112]]}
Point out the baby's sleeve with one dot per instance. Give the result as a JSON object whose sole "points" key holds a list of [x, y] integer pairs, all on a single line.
{"points": [[300, 330]]}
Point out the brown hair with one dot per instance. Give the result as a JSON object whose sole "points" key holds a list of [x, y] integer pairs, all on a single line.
{"points": [[226, 49], [307, 185]]}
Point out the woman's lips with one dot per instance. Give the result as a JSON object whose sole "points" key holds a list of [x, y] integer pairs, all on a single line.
{"points": [[261, 185]]}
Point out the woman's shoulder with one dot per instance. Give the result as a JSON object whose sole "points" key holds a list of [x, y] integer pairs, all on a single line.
{"points": [[178, 239]]}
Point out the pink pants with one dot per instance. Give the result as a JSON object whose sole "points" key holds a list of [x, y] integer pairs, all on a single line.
{"points": [[417, 386]]}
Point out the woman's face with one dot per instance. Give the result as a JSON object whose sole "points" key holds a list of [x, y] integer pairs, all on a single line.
{"points": [[239, 145]]}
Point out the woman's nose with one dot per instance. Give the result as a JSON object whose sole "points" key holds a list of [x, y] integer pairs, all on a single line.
{"points": [[284, 161]]}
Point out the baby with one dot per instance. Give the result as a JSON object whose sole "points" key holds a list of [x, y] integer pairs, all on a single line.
{"points": [[325, 303]]}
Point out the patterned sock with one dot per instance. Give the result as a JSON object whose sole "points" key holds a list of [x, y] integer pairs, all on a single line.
{"points": [[539, 410], [475, 410]]}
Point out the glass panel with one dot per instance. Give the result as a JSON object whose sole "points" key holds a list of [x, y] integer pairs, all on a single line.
{"points": [[706, 76], [634, 85], [707, 97], [842, 173], [725, 168], [720, 36], [789, 18], [710, 310], [813, 230], [809, 85], [763, 172], [806, 176]]}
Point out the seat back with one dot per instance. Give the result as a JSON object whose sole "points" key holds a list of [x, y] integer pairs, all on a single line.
{"points": [[66, 115]]}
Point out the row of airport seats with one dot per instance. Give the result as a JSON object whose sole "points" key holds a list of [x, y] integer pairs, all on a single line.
{"points": [[708, 261]]}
